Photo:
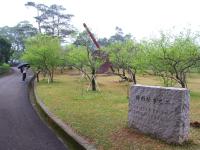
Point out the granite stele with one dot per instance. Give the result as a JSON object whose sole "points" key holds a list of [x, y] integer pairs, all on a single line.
{"points": [[160, 111]]}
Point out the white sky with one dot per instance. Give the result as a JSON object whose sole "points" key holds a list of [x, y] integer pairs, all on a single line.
{"points": [[141, 18]]}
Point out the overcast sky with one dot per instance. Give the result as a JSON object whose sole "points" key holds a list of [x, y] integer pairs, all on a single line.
{"points": [[141, 18]]}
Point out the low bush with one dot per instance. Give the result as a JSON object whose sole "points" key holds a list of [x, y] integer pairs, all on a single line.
{"points": [[4, 68]]}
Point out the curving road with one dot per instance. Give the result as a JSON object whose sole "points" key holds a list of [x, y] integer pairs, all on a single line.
{"points": [[20, 127]]}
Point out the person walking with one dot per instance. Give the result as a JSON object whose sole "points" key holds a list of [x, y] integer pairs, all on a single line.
{"points": [[24, 73]]}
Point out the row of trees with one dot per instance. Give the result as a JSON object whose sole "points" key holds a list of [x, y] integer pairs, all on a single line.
{"points": [[170, 56], [80, 54]]}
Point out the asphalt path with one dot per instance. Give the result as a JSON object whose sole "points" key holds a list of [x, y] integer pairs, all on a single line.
{"points": [[20, 127]]}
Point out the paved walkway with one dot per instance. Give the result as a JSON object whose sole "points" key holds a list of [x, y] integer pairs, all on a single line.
{"points": [[20, 127]]}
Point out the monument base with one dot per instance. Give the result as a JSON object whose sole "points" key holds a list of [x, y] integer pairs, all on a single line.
{"points": [[160, 111]]}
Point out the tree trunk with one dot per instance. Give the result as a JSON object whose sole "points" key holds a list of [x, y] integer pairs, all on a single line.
{"points": [[182, 80], [51, 76], [93, 82], [112, 69], [124, 73], [44, 73], [62, 70], [37, 76], [39, 26], [134, 78], [182, 84]]}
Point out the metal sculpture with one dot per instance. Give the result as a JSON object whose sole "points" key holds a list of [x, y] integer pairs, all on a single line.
{"points": [[99, 53]]}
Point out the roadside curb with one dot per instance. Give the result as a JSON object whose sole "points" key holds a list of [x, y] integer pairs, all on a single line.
{"points": [[66, 133]]}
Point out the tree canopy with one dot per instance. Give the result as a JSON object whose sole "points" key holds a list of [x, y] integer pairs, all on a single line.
{"points": [[53, 20], [173, 56], [43, 53], [126, 56], [17, 36], [5, 50]]}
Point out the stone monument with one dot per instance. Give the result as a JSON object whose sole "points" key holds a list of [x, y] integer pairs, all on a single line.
{"points": [[160, 111]]}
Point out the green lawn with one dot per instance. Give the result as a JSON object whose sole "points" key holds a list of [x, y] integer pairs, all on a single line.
{"points": [[101, 117]]}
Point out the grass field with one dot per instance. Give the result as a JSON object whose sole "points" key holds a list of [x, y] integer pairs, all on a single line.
{"points": [[101, 117]]}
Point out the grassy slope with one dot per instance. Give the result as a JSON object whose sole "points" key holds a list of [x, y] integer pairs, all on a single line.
{"points": [[102, 116]]}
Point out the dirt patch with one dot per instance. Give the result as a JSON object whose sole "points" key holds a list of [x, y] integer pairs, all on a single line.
{"points": [[128, 134], [126, 138]]}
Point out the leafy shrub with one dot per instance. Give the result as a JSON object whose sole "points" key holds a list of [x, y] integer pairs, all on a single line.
{"points": [[4, 68]]}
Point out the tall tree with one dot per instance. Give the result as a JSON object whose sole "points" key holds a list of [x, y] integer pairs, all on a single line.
{"points": [[40, 8], [5, 50], [53, 20]]}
